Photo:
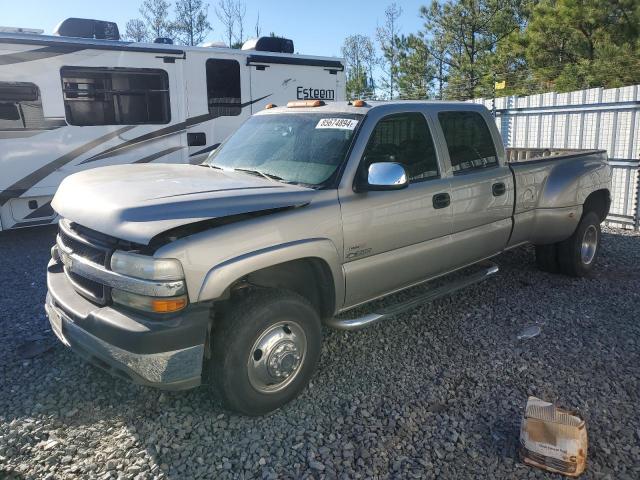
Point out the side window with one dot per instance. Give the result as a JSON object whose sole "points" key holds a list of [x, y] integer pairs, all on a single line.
{"points": [[99, 96], [21, 107], [405, 139], [223, 87], [469, 141]]}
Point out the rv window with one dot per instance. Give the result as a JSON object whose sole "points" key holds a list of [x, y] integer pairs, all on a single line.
{"points": [[223, 87], [21, 108], [98, 96]]}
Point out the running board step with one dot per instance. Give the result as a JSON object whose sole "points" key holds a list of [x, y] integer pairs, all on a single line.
{"points": [[390, 311]]}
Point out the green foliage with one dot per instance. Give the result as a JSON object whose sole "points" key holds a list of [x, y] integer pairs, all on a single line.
{"points": [[191, 25], [465, 35], [575, 44], [415, 69]]}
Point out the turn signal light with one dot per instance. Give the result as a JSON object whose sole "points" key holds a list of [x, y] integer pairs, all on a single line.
{"points": [[305, 103], [270, 105], [359, 103], [168, 305]]}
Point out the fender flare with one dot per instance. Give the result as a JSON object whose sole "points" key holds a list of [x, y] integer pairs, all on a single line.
{"points": [[220, 277]]}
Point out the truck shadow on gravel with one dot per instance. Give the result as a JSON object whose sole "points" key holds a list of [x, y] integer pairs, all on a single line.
{"points": [[437, 391]]}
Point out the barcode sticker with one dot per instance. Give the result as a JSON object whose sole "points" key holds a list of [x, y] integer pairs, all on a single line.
{"points": [[340, 123]]}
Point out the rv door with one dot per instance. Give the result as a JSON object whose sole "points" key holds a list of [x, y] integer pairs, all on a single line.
{"points": [[218, 98]]}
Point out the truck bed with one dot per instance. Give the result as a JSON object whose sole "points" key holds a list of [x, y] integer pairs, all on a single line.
{"points": [[520, 155]]}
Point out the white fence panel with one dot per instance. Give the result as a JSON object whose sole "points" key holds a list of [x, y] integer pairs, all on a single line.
{"points": [[595, 118]]}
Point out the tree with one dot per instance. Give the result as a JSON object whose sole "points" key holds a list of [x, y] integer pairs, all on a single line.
{"points": [[257, 27], [387, 38], [227, 14], [360, 57], [464, 37], [575, 44], [136, 31], [241, 12], [191, 25], [155, 14], [415, 69]]}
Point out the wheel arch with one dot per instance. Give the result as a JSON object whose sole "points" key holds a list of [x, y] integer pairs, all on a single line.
{"points": [[599, 202], [283, 266]]}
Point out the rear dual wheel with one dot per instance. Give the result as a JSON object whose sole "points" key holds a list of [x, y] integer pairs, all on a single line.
{"points": [[576, 255]]}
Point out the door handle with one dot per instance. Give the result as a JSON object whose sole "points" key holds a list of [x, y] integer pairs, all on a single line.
{"points": [[498, 189], [441, 200]]}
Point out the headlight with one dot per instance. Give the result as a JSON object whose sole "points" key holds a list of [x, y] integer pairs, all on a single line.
{"points": [[149, 304], [146, 267]]}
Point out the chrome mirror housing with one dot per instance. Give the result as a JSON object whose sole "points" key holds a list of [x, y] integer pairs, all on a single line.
{"points": [[386, 176]]}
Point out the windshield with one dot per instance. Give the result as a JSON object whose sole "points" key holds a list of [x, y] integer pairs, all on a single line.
{"points": [[305, 148]]}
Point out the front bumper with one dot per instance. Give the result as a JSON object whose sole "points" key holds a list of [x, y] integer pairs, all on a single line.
{"points": [[166, 353]]}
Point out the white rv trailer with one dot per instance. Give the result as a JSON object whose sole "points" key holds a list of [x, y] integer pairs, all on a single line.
{"points": [[68, 104]]}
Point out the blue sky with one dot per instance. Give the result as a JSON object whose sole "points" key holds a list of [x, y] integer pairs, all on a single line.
{"points": [[316, 28]]}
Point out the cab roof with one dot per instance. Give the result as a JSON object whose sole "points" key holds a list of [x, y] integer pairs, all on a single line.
{"points": [[347, 107]]}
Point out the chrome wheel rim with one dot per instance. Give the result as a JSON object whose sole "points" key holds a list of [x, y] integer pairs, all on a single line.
{"points": [[276, 358], [589, 244]]}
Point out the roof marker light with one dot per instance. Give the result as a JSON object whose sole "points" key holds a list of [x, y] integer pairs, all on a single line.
{"points": [[270, 105], [305, 103], [359, 103]]}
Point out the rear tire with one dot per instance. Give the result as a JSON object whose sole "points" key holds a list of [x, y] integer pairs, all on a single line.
{"points": [[547, 258], [577, 254], [266, 347]]}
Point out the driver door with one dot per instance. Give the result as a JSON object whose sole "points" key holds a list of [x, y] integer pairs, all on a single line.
{"points": [[396, 238]]}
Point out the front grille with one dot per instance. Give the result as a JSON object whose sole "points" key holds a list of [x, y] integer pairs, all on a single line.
{"points": [[94, 290], [85, 250], [93, 249]]}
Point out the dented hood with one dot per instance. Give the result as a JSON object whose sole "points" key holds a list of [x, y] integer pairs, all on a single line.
{"points": [[137, 202]]}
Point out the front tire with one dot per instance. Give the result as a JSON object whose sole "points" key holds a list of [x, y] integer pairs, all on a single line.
{"points": [[266, 347], [577, 254]]}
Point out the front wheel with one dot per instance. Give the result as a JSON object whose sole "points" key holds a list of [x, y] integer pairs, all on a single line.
{"points": [[577, 254], [265, 349]]}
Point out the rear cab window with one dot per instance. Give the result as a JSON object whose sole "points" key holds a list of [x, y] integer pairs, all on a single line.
{"points": [[469, 141]]}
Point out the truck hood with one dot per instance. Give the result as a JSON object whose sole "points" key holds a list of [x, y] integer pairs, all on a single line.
{"points": [[137, 202]]}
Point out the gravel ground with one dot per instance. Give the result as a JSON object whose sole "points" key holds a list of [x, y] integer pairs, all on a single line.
{"points": [[437, 392]]}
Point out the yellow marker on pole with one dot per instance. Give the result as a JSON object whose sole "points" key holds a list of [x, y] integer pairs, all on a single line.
{"points": [[501, 85]]}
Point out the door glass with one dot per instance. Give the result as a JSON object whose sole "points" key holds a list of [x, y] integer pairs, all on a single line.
{"points": [[223, 87], [469, 141], [405, 139]]}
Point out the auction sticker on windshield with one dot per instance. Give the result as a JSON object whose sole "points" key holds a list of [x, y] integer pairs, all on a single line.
{"points": [[341, 123]]}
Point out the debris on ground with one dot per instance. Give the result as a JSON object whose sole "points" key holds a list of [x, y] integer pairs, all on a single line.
{"points": [[553, 439], [529, 332]]}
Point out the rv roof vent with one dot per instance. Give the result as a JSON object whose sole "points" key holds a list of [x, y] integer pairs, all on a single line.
{"points": [[86, 28], [164, 40], [269, 44], [214, 45], [33, 31]]}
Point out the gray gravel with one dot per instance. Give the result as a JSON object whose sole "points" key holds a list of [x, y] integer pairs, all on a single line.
{"points": [[438, 392]]}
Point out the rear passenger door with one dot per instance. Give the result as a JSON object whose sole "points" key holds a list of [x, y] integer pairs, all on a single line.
{"points": [[482, 190], [396, 238]]}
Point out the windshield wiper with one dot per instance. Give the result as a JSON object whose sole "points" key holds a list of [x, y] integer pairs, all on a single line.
{"points": [[210, 165], [269, 176]]}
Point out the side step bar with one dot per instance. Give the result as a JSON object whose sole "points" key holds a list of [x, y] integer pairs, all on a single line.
{"points": [[444, 290]]}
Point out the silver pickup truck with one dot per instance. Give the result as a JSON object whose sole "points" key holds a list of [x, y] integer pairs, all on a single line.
{"points": [[224, 273]]}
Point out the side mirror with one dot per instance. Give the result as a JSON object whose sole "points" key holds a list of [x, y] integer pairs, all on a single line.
{"points": [[386, 176]]}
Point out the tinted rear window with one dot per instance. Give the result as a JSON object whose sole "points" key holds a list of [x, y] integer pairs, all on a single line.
{"points": [[469, 141]]}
